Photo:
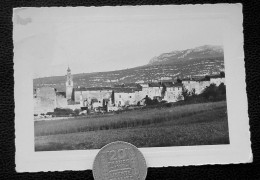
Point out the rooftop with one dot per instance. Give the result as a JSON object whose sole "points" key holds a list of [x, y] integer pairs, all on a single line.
{"points": [[124, 90], [195, 79], [127, 85], [99, 88], [177, 84], [216, 76], [167, 84], [144, 85], [154, 85], [80, 89], [93, 89]]}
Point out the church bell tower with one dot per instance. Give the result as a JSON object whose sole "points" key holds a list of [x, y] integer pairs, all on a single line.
{"points": [[69, 85]]}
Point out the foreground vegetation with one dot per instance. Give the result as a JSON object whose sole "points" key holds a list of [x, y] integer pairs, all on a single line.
{"points": [[195, 124], [124, 120]]}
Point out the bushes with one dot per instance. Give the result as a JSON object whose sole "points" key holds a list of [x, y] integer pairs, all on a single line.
{"points": [[210, 94], [168, 105], [77, 111], [63, 112], [50, 113], [150, 102], [214, 93]]}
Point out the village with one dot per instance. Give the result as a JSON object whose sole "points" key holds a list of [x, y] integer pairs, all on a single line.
{"points": [[118, 97]]}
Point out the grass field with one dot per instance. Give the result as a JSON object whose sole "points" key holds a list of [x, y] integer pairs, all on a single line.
{"points": [[195, 124]]}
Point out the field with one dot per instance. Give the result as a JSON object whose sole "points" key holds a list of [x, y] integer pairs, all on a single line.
{"points": [[194, 124]]}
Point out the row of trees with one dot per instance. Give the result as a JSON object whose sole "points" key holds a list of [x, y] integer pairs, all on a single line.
{"points": [[210, 93], [148, 101]]}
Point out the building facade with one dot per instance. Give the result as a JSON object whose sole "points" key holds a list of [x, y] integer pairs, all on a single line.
{"points": [[217, 80], [93, 98], [195, 85], [172, 92], [124, 97]]}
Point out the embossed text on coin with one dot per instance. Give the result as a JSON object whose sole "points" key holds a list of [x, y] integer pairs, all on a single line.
{"points": [[119, 161]]}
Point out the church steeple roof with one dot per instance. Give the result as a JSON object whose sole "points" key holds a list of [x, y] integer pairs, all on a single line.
{"points": [[68, 70]]}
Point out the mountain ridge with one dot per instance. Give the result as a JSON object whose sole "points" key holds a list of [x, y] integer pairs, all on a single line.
{"points": [[192, 64], [204, 51]]}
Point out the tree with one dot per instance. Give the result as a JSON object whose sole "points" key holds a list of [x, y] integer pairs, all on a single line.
{"points": [[148, 101], [185, 93], [222, 74], [210, 92], [207, 77], [155, 101], [222, 89], [77, 111], [179, 80], [193, 92], [179, 97]]}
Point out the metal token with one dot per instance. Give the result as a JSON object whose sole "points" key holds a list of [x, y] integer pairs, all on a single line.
{"points": [[119, 161]]}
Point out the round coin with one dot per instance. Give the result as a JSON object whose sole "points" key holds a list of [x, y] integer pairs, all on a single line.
{"points": [[119, 161]]}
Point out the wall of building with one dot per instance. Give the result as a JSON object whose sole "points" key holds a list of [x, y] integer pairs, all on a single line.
{"points": [[139, 96], [173, 94], [122, 98], [61, 102], [152, 91], [45, 100], [88, 95], [199, 86], [97, 104], [113, 108], [43, 105], [69, 91], [217, 81], [73, 106]]}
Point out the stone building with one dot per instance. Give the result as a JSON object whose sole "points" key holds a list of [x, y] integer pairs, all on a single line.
{"points": [[44, 100], [217, 79], [195, 84], [172, 92], [123, 97], [139, 95], [151, 90], [101, 94], [61, 100]]}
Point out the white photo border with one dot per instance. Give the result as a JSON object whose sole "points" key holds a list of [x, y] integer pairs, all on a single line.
{"points": [[238, 151]]}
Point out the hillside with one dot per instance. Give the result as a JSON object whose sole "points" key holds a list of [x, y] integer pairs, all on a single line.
{"points": [[206, 51], [168, 66]]}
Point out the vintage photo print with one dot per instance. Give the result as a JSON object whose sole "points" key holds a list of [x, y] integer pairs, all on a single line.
{"points": [[168, 79]]}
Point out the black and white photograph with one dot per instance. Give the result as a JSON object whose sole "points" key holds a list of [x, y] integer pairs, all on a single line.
{"points": [[152, 76]]}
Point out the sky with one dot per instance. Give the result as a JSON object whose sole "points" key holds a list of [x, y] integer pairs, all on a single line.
{"points": [[98, 39]]}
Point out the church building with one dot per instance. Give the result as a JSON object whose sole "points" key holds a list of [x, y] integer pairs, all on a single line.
{"points": [[69, 85]]}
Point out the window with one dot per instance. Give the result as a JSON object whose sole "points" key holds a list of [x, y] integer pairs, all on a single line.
{"points": [[119, 96], [130, 96]]}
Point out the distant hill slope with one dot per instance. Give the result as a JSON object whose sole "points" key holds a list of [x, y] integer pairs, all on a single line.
{"points": [[168, 66], [206, 51]]}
